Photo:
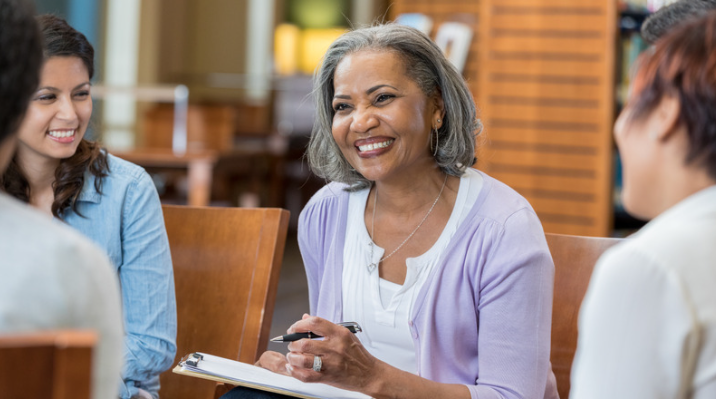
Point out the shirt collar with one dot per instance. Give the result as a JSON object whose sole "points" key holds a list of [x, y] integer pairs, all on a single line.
{"points": [[697, 206], [88, 193]]}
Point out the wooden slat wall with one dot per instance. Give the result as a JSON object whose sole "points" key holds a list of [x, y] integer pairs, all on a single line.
{"points": [[546, 94], [541, 72], [465, 11]]}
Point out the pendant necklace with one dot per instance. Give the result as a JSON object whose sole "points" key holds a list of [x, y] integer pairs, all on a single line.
{"points": [[373, 264]]}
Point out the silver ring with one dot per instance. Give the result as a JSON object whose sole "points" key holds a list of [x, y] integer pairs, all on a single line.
{"points": [[317, 364]]}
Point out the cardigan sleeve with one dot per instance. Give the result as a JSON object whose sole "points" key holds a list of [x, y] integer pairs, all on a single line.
{"points": [[321, 231], [514, 305], [310, 243], [316, 229]]}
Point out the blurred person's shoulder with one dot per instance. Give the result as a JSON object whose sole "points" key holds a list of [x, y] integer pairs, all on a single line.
{"points": [[44, 260], [681, 238], [676, 247], [27, 237], [53, 277]]}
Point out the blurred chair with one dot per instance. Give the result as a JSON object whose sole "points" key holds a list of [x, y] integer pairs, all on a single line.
{"points": [[225, 143], [574, 259], [208, 127], [226, 270], [49, 364]]}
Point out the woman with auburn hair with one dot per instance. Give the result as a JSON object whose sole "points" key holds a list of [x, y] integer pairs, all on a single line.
{"points": [[647, 327], [111, 201]]}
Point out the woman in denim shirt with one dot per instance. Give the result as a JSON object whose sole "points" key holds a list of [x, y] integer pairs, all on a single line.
{"points": [[111, 201]]}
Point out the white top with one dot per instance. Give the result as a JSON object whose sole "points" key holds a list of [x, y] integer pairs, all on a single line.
{"points": [[647, 327], [52, 278], [382, 308]]}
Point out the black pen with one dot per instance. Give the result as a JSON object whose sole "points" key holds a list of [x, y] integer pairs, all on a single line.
{"points": [[350, 325]]}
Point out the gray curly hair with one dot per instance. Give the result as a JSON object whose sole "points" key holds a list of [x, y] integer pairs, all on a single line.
{"points": [[428, 68], [667, 18]]}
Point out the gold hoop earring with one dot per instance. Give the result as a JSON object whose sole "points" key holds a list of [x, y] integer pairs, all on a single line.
{"points": [[437, 142]]}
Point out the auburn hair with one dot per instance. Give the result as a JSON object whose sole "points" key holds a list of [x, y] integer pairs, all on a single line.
{"points": [[682, 64]]}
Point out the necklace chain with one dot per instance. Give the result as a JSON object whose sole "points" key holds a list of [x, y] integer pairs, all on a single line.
{"points": [[372, 227]]}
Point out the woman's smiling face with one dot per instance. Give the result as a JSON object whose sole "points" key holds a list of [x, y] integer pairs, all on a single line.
{"points": [[382, 120], [59, 112]]}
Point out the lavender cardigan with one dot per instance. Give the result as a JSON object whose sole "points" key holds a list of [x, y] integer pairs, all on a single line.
{"points": [[483, 317]]}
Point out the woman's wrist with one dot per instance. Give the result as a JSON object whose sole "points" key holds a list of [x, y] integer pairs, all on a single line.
{"points": [[388, 382], [379, 381]]}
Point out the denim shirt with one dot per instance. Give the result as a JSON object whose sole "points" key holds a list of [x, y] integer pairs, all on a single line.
{"points": [[126, 220]]}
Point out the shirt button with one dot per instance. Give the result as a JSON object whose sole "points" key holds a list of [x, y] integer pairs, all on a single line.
{"points": [[410, 323]]}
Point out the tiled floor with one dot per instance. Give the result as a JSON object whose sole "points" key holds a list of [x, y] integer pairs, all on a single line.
{"points": [[292, 296]]}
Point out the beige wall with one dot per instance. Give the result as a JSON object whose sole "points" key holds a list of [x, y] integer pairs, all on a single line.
{"points": [[186, 41]]}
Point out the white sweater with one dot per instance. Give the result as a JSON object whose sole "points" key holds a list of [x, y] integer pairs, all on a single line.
{"points": [[52, 278], [647, 327]]}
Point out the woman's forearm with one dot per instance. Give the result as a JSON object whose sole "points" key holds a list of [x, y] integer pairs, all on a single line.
{"points": [[393, 383]]}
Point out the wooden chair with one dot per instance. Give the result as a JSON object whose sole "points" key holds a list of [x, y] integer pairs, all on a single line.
{"points": [[49, 364], [574, 259], [226, 270]]}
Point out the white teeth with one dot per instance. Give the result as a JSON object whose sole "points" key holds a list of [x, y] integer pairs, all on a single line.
{"points": [[369, 147], [62, 133]]}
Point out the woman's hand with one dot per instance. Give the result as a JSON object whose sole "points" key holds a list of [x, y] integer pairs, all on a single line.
{"points": [[346, 363], [273, 361]]}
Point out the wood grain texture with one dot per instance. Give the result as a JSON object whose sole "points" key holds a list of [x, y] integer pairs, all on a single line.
{"points": [[547, 104], [465, 11], [541, 72], [209, 127], [49, 364], [574, 259], [226, 269]]}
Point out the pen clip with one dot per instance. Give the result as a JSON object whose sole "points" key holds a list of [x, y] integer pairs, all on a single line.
{"points": [[352, 326]]}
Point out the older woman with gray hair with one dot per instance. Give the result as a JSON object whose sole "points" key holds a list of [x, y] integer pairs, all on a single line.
{"points": [[445, 269]]}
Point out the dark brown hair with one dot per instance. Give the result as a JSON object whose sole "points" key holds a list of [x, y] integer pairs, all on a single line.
{"points": [[20, 61], [61, 40], [683, 65]]}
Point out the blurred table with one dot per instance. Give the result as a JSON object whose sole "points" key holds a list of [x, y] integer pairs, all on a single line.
{"points": [[199, 166]]}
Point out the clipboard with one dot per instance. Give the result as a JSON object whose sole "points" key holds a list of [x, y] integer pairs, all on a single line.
{"points": [[215, 368]]}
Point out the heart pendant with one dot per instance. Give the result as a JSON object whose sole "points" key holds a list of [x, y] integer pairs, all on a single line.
{"points": [[371, 267]]}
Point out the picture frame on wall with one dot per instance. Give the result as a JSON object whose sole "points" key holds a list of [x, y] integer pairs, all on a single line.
{"points": [[454, 39]]}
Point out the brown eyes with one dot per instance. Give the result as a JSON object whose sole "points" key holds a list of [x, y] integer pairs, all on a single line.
{"points": [[379, 99], [383, 98], [81, 95]]}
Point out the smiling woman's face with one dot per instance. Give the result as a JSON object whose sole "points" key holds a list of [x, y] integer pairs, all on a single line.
{"points": [[59, 112], [382, 120]]}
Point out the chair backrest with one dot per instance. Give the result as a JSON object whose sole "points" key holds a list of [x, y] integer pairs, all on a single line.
{"points": [[48, 364], [226, 270], [574, 259], [209, 127]]}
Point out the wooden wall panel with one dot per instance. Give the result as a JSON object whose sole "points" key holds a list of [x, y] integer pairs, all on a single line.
{"points": [[541, 72], [546, 95], [465, 11]]}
